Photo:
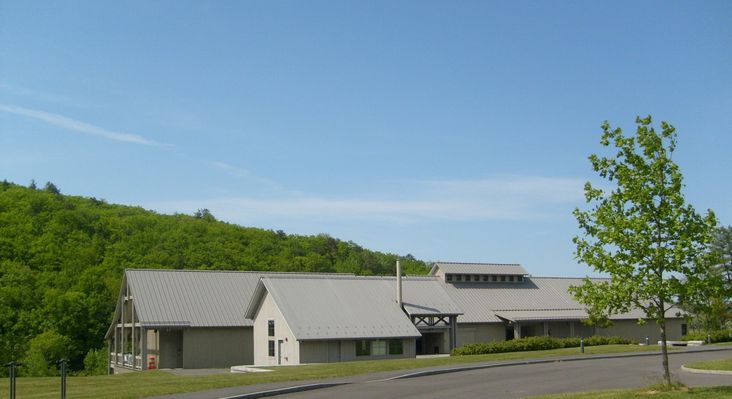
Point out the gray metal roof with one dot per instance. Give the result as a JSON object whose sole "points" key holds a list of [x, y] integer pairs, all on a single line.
{"points": [[336, 307], [424, 297], [537, 298], [192, 298], [479, 268]]}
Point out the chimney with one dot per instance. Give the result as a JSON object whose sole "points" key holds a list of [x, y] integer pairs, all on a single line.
{"points": [[399, 283]]}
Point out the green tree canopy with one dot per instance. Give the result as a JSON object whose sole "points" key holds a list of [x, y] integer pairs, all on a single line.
{"points": [[641, 231]]}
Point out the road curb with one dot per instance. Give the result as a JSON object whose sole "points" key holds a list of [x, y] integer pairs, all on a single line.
{"points": [[282, 391], [700, 371]]}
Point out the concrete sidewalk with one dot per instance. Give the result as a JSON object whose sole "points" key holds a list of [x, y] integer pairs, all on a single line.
{"points": [[273, 389]]}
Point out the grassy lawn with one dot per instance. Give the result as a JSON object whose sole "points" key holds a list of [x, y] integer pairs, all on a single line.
{"points": [[723, 364], [696, 393], [153, 383]]}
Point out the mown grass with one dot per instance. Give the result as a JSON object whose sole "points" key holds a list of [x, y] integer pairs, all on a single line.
{"points": [[650, 392], [154, 383], [722, 364]]}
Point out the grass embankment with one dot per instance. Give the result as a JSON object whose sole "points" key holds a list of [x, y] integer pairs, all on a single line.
{"points": [[153, 383], [652, 392], [722, 364]]}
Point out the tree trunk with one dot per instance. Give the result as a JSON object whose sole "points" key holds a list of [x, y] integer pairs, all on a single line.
{"points": [[664, 348]]}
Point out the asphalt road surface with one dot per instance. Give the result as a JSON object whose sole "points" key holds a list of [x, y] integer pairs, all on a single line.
{"points": [[530, 380]]}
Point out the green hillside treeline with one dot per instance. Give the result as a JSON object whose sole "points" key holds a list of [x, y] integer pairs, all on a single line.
{"points": [[62, 258]]}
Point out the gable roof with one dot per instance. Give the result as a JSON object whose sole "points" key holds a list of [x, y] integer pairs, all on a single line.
{"points": [[335, 307], [192, 298], [537, 298], [479, 268]]}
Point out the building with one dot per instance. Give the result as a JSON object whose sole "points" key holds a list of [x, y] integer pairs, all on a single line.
{"points": [[502, 301], [207, 319]]}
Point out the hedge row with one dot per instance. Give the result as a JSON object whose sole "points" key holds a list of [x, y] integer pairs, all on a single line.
{"points": [[535, 344], [717, 336]]}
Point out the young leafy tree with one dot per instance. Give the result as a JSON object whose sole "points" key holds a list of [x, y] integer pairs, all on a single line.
{"points": [[642, 233], [722, 245]]}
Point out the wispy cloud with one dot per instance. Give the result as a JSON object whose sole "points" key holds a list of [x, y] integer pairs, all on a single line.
{"points": [[508, 198], [245, 174], [76, 125], [41, 95]]}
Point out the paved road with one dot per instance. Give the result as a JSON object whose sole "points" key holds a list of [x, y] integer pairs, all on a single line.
{"points": [[529, 380]]}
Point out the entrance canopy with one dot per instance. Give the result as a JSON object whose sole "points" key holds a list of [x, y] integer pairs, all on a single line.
{"points": [[542, 315]]}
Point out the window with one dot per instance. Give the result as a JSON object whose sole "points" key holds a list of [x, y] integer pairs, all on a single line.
{"points": [[378, 348], [449, 277], [494, 278], [510, 278], [363, 348], [684, 329], [270, 328], [520, 278], [396, 347], [271, 348], [503, 278], [476, 278], [458, 277], [485, 278]]}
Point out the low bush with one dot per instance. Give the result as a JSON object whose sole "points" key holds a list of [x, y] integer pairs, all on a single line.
{"points": [[716, 336], [535, 344]]}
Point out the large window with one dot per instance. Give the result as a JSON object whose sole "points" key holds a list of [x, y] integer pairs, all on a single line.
{"points": [[363, 348], [271, 348], [270, 328], [378, 348], [396, 347]]}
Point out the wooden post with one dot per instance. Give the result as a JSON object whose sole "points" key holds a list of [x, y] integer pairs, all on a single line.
{"points": [[133, 328], [516, 330], [143, 351], [571, 329], [546, 329], [122, 327]]}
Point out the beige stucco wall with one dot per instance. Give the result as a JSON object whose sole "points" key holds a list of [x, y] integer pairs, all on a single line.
{"points": [[217, 347], [470, 333], [631, 329], [290, 346]]}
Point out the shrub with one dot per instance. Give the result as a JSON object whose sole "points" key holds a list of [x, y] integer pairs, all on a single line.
{"points": [[535, 344], [716, 336], [45, 349], [95, 362]]}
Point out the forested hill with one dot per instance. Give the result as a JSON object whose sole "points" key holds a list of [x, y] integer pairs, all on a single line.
{"points": [[62, 259]]}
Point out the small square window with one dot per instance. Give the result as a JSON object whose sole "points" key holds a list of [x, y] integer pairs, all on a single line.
{"points": [[449, 277], [459, 277], [270, 328], [520, 278], [510, 278], [396, 347], [363, 348], [378, 348], [485, 278], [503, 278], [476, 278], [271, 348], [494, 278]]}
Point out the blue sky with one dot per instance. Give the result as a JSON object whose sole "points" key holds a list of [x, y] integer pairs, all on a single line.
{"points": [[451, 131]]}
